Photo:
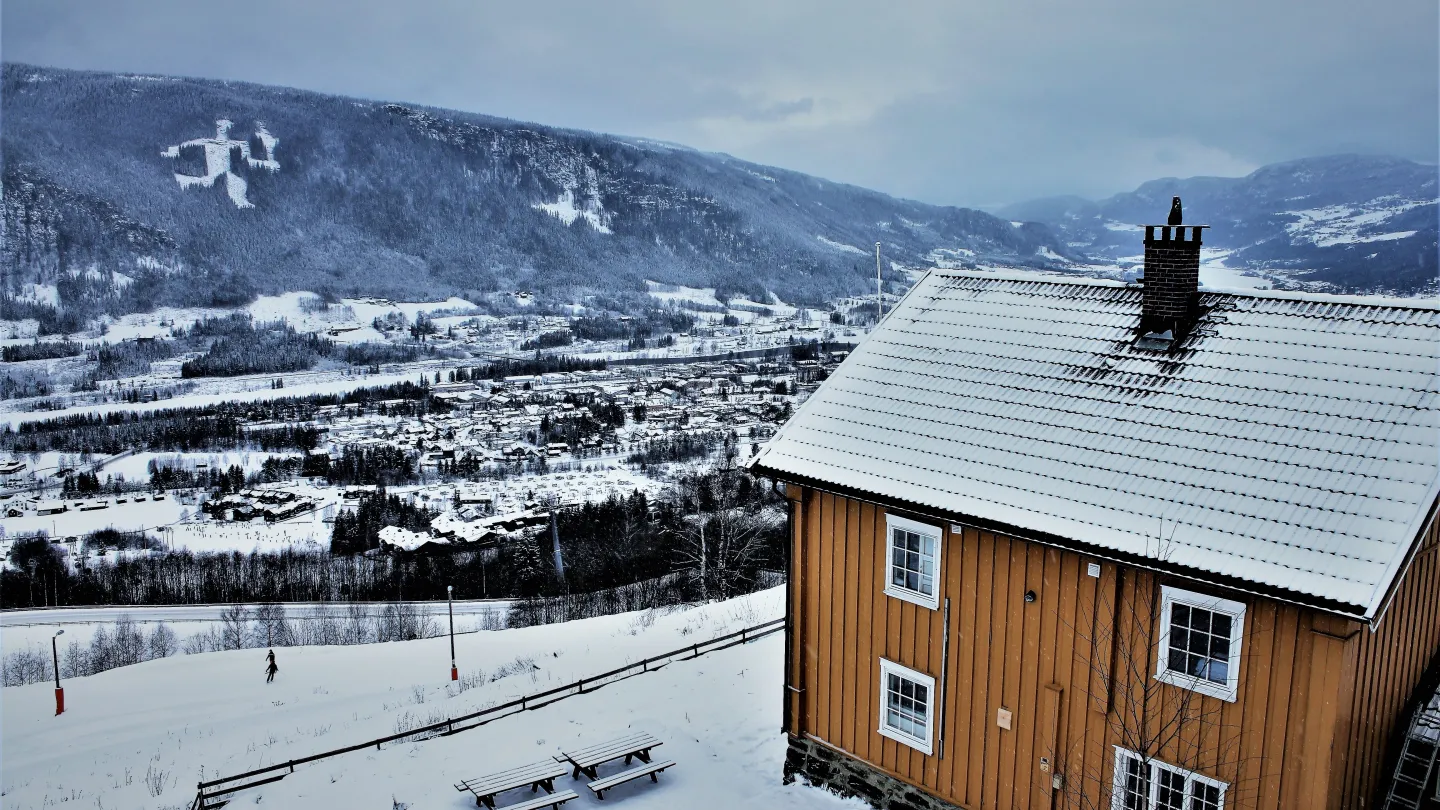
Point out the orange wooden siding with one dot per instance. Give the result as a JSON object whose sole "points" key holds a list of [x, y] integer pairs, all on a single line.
{"points": [[1300, 735], [1382, 669]]}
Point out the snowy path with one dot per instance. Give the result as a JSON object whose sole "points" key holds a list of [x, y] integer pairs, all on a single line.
{"points": [[142, 736]]}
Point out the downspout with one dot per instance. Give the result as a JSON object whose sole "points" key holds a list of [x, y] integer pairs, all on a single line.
{"points": [[785, 713]]}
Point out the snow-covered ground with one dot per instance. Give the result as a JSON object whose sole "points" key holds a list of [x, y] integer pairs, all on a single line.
{"points": [[142, 736]]}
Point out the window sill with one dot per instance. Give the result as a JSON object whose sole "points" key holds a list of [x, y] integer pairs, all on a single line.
{"points": [[923, 746], [1224, 692], [931, 602]]}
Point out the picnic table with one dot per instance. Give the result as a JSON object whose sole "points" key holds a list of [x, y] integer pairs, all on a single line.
{"points": [[585, 760], [536, 775]]}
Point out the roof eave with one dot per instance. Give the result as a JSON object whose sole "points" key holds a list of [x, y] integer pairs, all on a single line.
{"points": [[1344, 610]]}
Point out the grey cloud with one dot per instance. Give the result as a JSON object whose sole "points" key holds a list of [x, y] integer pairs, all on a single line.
{"points": [[947, 102]]}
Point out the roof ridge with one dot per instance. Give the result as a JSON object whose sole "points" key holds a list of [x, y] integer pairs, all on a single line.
{"points": [[1369, 301]]}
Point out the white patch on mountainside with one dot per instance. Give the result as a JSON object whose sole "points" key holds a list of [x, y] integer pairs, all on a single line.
{"points": [[667, 293], [1047, 253], [47, 294], [949, 258], [217, 160], [842, 247], [564, 210], [1350, 224]]}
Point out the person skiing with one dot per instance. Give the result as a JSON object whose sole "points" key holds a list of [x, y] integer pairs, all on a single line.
{"points": [[270, 668]]}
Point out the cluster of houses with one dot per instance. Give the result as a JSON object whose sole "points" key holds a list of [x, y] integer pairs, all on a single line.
{"points": [[19, 507], [270, 504], [505, 421], [485, 514]]}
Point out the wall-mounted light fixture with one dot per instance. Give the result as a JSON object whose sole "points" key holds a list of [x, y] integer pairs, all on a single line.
{"points": [[1029, 596]]}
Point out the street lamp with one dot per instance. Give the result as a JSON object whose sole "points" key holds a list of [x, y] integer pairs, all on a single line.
{"points": [[450, 600], [59, 692]]}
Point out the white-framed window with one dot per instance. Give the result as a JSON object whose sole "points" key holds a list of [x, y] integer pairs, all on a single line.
{"points": [[1154, 785], [1200, 642], [907, 705], [912, 569]]}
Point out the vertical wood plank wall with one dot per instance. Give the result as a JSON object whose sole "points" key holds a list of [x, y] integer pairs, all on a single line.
{"points": [[1386, 666], [1296, 737]]}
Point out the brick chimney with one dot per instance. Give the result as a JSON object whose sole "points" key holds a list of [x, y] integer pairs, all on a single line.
{"points": [[1172, 277]]}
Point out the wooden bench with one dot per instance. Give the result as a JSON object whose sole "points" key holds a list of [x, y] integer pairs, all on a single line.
{"points": [[550, 800], [651, 770], [631, 746], [536, 775]]}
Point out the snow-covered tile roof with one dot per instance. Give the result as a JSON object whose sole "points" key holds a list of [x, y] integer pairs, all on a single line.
{"points": [[1291, 441]]}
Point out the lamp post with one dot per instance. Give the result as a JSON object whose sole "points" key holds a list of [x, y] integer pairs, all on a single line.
{"points": [[59, 692], [450, 600]]}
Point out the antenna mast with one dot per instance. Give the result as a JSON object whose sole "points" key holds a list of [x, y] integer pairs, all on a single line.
{"points": [[879, 289]]}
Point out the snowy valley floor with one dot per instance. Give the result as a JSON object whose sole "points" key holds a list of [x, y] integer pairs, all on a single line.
{"points": [[142, 736]]}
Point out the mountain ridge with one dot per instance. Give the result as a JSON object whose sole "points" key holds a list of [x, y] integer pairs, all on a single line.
{"points": [[1348, 222], [125, 192]]}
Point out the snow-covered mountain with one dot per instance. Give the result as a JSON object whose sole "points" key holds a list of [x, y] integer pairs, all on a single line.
{"points": [[1350, 222], [124, 192]]}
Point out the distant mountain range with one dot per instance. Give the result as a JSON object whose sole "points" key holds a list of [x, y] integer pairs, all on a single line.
{"points": [[1349, 222], [124, 192]]}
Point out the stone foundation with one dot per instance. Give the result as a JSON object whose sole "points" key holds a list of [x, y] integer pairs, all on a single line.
{"points": [[822, 766]]}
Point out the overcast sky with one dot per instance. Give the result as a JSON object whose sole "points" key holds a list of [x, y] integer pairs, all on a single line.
{"points": [[968, 102]]}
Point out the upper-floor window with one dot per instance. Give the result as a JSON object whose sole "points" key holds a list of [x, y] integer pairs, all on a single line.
{"points": [[1200, 642], [1154, 785], [907, 705], [913, 567]]}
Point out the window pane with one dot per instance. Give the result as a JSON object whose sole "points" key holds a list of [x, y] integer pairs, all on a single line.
{"points": [[1180, 615], [1220, 648], [1220, 625], [1200, 620], [1170, 790], [1177, 661], [1204, 797]]}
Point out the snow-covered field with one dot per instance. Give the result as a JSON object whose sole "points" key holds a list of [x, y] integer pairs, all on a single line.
{"points": [[142, 736], [215, 390]]}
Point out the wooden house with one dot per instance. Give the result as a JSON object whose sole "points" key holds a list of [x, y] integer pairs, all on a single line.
{"points": [[1086, 544]]}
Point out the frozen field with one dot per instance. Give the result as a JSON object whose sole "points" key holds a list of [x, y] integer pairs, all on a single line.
{"points": [[142, 736]]}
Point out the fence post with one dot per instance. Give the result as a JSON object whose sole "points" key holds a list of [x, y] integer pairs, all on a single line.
{"points": [[581, 684]]}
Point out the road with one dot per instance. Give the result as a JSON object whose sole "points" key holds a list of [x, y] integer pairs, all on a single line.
{"points": [[106, 614]]}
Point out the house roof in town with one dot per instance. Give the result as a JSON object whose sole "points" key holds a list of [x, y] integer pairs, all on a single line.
{"points": [[1290, 441]]}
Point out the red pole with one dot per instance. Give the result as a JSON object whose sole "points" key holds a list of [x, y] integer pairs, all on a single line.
{"points": [[450, 600], [59, 692]]}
